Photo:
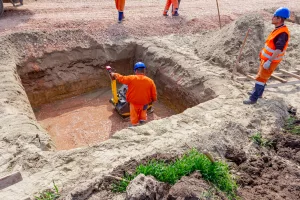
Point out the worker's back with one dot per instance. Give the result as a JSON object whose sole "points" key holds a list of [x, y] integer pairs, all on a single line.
{"points": [[141, 90]]}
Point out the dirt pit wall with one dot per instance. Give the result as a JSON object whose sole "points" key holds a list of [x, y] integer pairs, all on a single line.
{"points": [[59, 75]]}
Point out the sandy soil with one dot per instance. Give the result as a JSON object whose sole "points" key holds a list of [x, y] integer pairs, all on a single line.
{"points": [[143, 18]]}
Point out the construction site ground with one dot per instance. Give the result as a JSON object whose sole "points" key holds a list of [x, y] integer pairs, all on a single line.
{"points": [[56, 122]]}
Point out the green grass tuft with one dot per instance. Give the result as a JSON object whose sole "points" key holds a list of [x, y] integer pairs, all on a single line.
{"points": [[257, 138], [122, 185], [216, 173], [291, 125], [49, 195]]}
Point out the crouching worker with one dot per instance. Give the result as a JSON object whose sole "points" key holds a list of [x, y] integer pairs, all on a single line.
{"points": [[141, 92]]}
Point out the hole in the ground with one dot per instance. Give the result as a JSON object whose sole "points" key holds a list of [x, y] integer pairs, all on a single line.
{"points": [[69, 91]]}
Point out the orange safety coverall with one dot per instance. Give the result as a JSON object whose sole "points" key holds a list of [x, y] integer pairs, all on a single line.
{"points": [[264, 74], [168, 4], [120, 4], [141, 92]]}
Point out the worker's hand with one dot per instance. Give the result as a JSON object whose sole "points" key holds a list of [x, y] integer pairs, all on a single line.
{"points": [[113, 74], [267, 64]]}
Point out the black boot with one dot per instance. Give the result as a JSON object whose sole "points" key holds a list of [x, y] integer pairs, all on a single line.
{"points": [[258, 91]]}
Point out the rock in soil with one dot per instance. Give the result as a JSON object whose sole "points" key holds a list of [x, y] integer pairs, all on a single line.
{"points": [[146, 187]]}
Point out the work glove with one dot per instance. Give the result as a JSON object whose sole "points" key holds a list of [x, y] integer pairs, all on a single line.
{"points": [[267, 64]]}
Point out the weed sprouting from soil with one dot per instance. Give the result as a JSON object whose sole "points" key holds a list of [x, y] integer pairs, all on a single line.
{"points": [[292, 125], [214, 172], [122, 185], [210, 193], [49, 194], [258, 139]]}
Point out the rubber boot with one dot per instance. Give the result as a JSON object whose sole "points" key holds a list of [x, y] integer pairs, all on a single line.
{"points": [[178, 6], [250, 93], [175, 12], [258, 91], [120, 17], [165, 13]]}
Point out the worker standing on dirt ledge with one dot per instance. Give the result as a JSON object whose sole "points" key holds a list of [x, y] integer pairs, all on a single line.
{"points": [[272, 53], [141, 92], [120, 4]]}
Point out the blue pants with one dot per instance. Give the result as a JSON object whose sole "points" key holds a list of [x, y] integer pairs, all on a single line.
{"points": [[258, 91]]}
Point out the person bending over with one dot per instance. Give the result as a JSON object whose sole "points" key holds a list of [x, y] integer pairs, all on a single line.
{"points": [[141, 92]]}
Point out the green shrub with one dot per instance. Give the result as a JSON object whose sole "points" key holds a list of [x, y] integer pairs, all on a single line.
{"points": [[216, 173]]}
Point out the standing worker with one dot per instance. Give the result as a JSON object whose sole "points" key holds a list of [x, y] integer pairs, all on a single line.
{"points": [[174, 7], [120, 4], [272, 53], [141, 92]]}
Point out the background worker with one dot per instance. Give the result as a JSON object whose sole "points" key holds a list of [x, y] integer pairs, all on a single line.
{"points": [[174, 7], [141, 92], [272, 53], [120, 4]]}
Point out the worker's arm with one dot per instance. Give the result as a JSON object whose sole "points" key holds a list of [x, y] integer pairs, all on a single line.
{"points": [[268, 62], [279, 41], [153, 93], [275, 54], [122, 79]]}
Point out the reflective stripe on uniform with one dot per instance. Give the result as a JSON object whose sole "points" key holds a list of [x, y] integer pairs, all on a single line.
{"points": [[269, 49], [279, 57], [266, 55]]}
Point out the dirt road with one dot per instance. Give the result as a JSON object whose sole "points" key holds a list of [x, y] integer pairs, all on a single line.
{"points": [[143, 18]]}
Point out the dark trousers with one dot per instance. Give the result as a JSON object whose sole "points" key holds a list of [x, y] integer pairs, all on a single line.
{"points": [[258, 91]]}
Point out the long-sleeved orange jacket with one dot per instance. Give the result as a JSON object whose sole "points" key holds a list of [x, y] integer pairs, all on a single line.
{"points": [[141, 89]]}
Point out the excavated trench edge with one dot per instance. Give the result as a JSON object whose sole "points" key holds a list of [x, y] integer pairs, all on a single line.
{"points": [[60, 75]]}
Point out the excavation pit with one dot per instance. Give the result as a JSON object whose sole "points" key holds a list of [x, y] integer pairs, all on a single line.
{"points": [[69, 92], [86, 119]]}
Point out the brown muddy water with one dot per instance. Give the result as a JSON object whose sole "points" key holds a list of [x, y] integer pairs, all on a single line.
{"points": [[87, 119]]}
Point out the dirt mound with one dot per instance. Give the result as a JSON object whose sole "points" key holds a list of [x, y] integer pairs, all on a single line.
{"points": [[191, 187], [222, 47], [288, 147], [274, 173]]}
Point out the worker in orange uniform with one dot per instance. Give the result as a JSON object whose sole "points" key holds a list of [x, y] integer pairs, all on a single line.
{"points": [[272, 53], [120, 4], [141, 92], [174, 8]]}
